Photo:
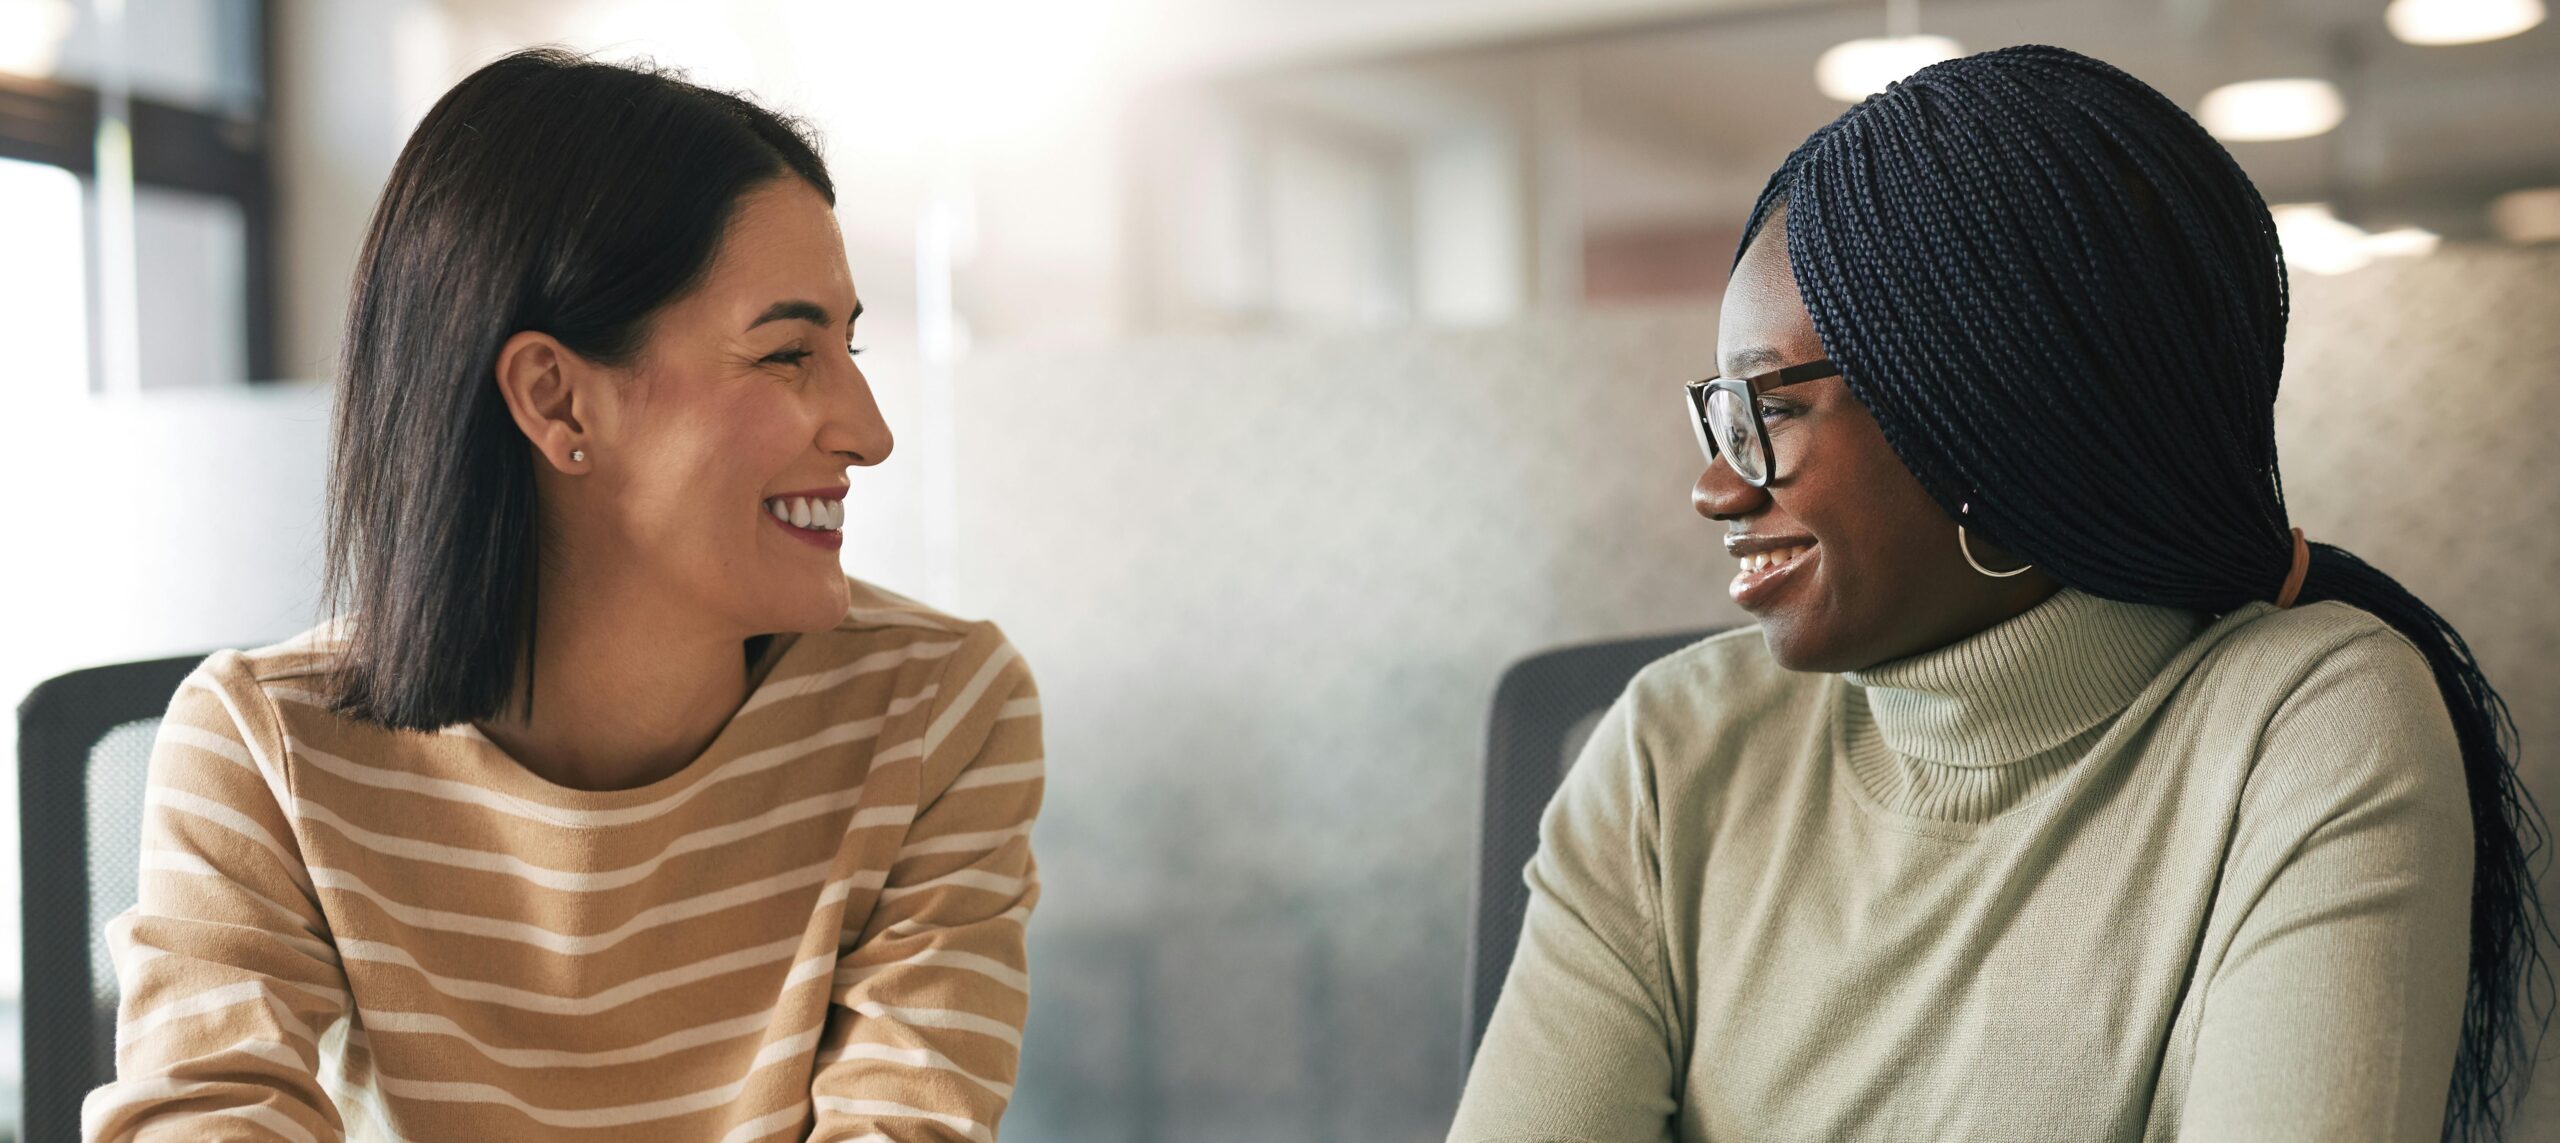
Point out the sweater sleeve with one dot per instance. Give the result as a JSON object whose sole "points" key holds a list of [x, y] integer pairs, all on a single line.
{"points": [[2336, 1010], [225, 963], [926, 1024], [1582, 1043]]}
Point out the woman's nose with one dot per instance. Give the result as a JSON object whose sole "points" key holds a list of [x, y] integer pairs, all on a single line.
{"points": [[1720, 494], [854, 428]]}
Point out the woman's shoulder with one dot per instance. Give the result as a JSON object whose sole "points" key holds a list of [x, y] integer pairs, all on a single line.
{"points": [[2343, 707], [877, 618], [259, 697], [300, 661], [2328, 656], [952, 681], [873, 608], [288, 673], [883, 632], [2262, 635], [1700, 714], [1726, 677]]}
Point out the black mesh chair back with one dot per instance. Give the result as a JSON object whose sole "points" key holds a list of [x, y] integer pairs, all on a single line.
{"points": [[84, 747], [1543, 710]]}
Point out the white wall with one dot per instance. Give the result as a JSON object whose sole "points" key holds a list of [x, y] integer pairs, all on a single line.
{"points": [[172, 524]]}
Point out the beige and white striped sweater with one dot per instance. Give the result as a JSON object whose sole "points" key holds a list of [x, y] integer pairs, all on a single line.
{"points": [[814, 930]]}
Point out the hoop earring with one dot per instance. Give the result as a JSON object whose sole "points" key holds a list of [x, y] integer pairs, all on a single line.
{"points": [[1966, 547]]}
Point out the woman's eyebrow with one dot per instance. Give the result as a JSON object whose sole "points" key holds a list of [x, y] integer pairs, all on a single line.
{"points": [[796, 310], [1746, 362]]}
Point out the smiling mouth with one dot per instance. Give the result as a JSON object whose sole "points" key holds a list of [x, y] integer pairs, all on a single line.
{"points": [[1764, 574], [807, 512]]}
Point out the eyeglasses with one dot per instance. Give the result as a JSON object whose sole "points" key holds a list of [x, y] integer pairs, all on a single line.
{"points": [[1725, 414]]}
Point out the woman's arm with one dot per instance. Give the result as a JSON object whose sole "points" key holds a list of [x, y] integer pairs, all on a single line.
{"points": [[930, 997], [228, 974], [1581, 1043], [2336, 1009]]}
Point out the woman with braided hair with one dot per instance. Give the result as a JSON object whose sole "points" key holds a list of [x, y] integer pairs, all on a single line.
{"points": [[2063, 791]]}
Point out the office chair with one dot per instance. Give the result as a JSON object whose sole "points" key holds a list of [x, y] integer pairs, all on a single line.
{"points": [[1543, 710], [84, 746]]}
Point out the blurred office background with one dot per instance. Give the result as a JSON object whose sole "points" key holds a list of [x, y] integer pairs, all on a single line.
{"points": [[1275, 370]]}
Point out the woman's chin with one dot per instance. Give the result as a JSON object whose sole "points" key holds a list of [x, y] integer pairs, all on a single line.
{"points": [[827, 604], [803, 605], [1800, 643]]}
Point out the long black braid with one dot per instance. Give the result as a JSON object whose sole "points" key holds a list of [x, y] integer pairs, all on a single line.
{"points": [[2064, 303]]}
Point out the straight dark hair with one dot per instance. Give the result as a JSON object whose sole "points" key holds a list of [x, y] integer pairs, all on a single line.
{"points": [[2064, 303], [545, 192]]}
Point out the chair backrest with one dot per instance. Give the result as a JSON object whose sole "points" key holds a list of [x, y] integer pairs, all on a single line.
{"points": [[1543, 710], [84, 748]]}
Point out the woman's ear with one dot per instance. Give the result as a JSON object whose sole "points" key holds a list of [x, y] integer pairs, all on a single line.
{"points": [[547, 390]]}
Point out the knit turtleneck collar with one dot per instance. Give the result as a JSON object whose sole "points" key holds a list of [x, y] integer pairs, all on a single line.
{"points": [[2018, 690]]}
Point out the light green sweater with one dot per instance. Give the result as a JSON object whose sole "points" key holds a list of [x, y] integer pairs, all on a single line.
{"points": [[2102, 872]]}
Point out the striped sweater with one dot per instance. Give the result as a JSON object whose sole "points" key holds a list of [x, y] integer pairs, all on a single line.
{"points": [[812, 931]]}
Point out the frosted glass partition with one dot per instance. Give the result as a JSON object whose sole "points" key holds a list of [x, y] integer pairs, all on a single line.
{"points": [[1267, 587]]}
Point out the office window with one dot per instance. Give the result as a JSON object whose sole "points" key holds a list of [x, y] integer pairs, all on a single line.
{"points": [[172, 285], [44, 313]]}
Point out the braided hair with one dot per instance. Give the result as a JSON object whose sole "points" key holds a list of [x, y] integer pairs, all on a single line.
{"points": [[2064, 304]]}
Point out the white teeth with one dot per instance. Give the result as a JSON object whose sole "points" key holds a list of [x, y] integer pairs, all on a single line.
{"points": [[803, 512], [1763, 561]]}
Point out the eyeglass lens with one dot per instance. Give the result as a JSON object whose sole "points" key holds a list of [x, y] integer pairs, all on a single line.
{"points": [[1736, 435]]}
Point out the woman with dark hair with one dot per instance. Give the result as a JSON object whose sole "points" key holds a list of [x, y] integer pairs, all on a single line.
{"points": [[610, 808], [2063, 791]]}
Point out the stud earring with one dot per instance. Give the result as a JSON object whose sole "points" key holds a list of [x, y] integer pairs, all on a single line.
{"points": [[578, 455]]}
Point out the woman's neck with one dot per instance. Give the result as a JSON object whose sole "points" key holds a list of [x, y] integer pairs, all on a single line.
{"points": [[626, 691]]}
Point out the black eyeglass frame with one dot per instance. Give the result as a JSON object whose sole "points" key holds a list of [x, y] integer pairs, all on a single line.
{"points": [[1747, 390]]}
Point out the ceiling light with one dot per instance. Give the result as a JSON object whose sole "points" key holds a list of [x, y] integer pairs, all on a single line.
{"points": [[2527, 215], [2460, 21], [2317, 241], [2263, 110], [31, 35], [1855, 70]]}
